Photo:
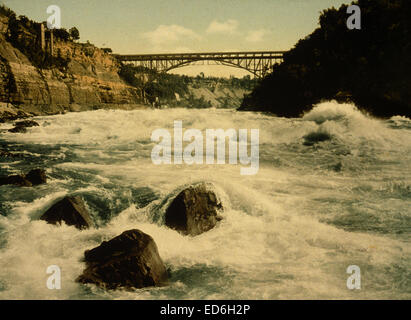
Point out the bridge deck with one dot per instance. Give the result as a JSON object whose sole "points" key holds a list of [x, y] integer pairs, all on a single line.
{"points": [[202, 56]]}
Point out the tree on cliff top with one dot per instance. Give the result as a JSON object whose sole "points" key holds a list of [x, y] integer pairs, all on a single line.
{"points": [[74, 33], [6, 11]]}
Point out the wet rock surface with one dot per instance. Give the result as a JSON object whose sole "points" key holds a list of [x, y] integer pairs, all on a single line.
{"points": [[21, 126], [27, 123], [17, 180], [7, 154], [194, 210], [18, 129], [70, 210], [33, 178], [130, 260], [37, 177]]}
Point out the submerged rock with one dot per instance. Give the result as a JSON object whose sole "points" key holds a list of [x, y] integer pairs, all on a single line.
{"points": [[17, 180], [18, 129], [37, 176], [6, 154], [315, 137], [70, 210], [195, 210], [33, 178], [21, 126], [27, 123], [337, 167], [130, 260]]}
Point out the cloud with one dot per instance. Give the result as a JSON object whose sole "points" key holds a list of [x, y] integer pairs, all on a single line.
{"points": [[256, 35], [180, 50], [227, 27], [168, 34]]}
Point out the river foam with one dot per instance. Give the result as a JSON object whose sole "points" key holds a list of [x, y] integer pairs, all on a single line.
{"points": [[289, 232]]}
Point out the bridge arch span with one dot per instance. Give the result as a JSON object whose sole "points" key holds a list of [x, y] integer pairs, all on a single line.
{"points": [[258, 63], [220, 63]]}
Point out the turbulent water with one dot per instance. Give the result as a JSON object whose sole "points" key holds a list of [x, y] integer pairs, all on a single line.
{"points": [[333, 190]]}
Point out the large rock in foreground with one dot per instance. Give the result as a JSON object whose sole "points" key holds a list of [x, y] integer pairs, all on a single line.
{"points": [[195, 210], [130, 260], [70, 210]]}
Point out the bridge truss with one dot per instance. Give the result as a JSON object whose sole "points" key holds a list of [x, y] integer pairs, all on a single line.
{"points": [[258, 63]]}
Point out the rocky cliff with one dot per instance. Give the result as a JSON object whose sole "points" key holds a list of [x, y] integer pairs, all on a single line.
{"points": [[218, 96], [89, 79], [370, 67]]}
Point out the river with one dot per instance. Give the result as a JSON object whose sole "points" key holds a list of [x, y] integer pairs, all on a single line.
{"points": [[315, 207]]}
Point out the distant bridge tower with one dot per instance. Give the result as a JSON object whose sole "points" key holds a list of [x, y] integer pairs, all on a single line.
{"points": [[46, 45], [42, 36], [51, 42]]}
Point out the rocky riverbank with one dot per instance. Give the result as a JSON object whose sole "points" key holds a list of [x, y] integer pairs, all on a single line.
{"points": [[9, 112]]}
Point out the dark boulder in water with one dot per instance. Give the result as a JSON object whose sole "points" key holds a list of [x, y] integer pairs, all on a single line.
{"points": [[130, 260], [21, 126], [37, 176], [315, 137], [27, 123], [70, 210], [195, 210], [17, 180], [18, 129], [337, 167], [33, 178], [6, 154]]}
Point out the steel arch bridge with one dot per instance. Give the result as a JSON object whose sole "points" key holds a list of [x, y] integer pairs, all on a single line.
{"points": [[258, 63]]}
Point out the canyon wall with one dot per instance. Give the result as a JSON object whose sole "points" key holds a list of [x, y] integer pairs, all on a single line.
{"points": [[88, 80]]}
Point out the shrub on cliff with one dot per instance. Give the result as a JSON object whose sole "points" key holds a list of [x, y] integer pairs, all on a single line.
{"points": [[196, 103], [128, 73], [61, 34], [6, 11], [372, 65], [154, 84], [74, 33]]}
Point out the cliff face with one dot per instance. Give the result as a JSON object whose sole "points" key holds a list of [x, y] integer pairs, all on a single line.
{"points": [[219, 96], [89, 79], [370, 67]]}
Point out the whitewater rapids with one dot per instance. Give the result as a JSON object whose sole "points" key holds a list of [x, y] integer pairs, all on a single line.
{"points": [[333, 190]]}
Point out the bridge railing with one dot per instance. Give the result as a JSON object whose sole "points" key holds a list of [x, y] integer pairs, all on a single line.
{"points": [[203, 55]]}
